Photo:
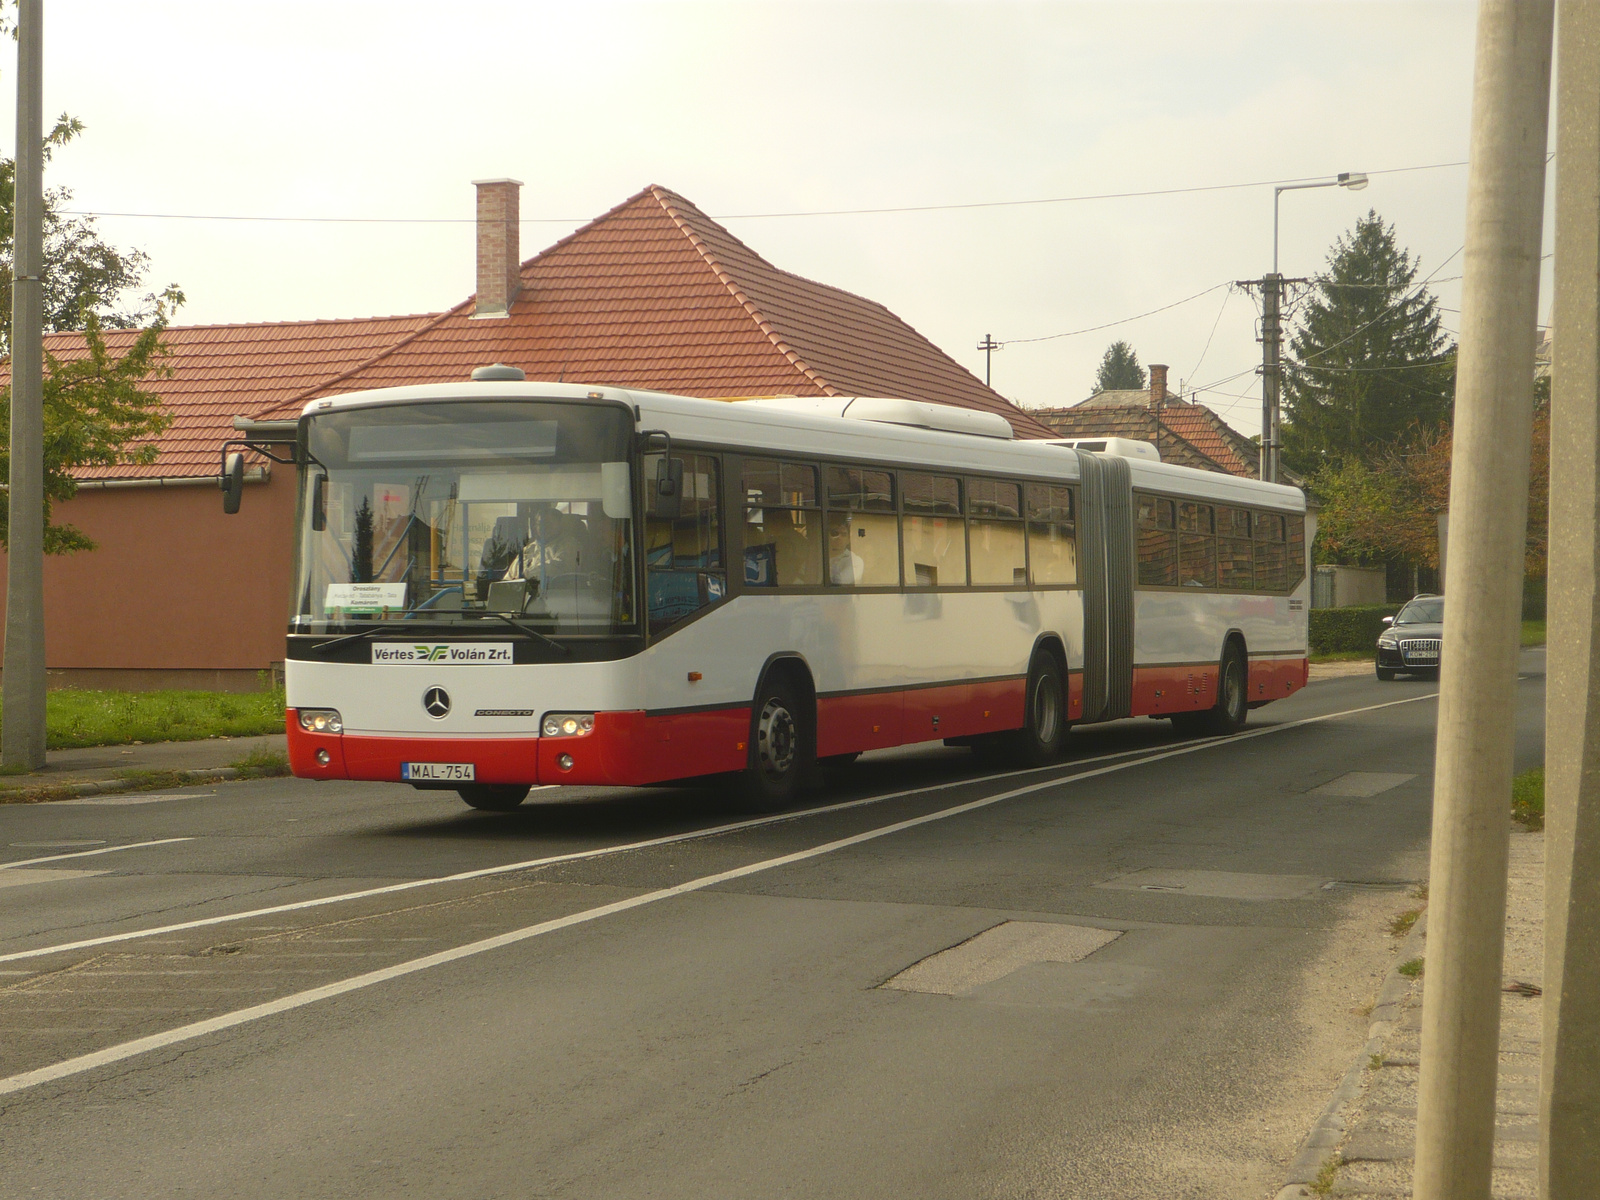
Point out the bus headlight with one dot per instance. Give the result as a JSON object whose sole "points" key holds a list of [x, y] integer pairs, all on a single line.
{"points": [[567, 724], [321, 720]]}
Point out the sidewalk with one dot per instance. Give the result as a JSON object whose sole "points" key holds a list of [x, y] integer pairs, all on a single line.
{"points": [[1372, 1153], [102, 768]]}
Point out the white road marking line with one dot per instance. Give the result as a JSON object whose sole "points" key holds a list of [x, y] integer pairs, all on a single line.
{"points": [[528, 864], [672, 839], [42, 875], [28, 862], [243, 1016], [119, 798]]}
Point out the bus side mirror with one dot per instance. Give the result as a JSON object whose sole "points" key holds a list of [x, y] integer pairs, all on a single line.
{"points": [[669, 488], [319, 503], [232, 483]]}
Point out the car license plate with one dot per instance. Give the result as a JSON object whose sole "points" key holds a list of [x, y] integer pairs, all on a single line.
{"points": [[1423, 656], [438, 772]]}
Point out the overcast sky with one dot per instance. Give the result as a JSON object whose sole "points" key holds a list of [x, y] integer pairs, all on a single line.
{"points": [[349, 109]]}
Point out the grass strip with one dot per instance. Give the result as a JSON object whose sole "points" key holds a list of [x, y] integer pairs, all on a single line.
{"points": [[1527, 798], [1533, 633], [77, 717]]}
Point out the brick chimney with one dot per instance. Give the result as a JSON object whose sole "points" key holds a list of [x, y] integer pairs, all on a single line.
{"points": [[1158, 383], [499, 249]]}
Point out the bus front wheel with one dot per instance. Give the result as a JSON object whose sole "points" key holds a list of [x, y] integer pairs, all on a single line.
{"points": [[494, 797], [782, 747]]}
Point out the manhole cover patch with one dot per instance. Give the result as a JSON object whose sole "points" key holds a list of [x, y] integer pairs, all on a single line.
{"points": [[996, 953]]}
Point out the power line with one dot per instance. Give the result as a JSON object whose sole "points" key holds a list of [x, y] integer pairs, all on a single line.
{"points": [[831, 212], [1109, 324]]}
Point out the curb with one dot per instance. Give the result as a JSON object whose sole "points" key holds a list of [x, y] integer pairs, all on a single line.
{"points": [[47, 792], [1321, 1143]]}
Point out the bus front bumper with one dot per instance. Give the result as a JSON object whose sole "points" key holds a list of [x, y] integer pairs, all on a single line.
{"points": [[625, 749]]}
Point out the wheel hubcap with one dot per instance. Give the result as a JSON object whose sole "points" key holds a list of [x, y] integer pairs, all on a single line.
{"points": [[1046, 710], [776, 738]]}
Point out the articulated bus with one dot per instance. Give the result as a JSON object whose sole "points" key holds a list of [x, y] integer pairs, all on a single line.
{"points": [[503, 584]]}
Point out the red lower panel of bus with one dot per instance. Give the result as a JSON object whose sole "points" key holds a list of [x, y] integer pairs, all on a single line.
{"points": [[1165, 689], [873, 720], [1275, 678], [626, 749], [1190, 688]]}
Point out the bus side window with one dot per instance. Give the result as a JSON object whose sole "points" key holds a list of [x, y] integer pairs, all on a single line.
{"points": [[934, 535], [1197, 546], [1158, 542], [1297, 551], [1235, 559], [1052, 542], [1271, 553], [782, 527], [999, 546], [863, 531], [684, 565]]}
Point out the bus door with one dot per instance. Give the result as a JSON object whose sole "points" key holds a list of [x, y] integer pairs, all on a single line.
{"points": [[1106, 550]]}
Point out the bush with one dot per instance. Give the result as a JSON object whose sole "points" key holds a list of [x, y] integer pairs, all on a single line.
{"points": [[1527, 798], [1345, 629]]}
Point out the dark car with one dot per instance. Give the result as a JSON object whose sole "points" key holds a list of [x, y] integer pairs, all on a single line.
{"points": [[1412, 641]]}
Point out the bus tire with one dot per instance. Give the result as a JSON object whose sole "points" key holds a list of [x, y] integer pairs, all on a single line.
{"points": [[494, 797], [1232, 709], [1043, 736], [782, 746]]}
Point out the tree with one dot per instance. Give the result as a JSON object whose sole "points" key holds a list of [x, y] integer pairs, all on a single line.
{"points": [[1367, 359], [83, 274], [361, 555], [96, 413], [1119, 369], [1389, 508]]}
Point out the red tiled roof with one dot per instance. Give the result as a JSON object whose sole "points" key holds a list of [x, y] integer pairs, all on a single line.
{"points": [[1190, 435], [1197, 425], [224, 371], [654, 294]]}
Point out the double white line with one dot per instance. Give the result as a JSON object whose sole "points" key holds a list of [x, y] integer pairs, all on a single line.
{"points": [[243, 1016]]}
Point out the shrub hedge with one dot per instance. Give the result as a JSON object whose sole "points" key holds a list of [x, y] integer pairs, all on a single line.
{"points": [[1357, 628]]}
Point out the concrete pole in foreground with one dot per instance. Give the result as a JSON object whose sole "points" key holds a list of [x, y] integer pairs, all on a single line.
{"points": [[22, 729], [1483, 601], [1569, 1099]]}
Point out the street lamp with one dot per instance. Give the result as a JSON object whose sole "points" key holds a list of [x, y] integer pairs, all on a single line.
{"points": [[1354, 180], [1272, 330]]}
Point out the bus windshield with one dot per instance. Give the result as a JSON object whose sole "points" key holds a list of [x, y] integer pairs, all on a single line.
{"points": [[447, 513]]}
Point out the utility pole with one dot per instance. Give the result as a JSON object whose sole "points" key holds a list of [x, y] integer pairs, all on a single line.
{"points": [[1569, 1098], [988, 346], [22, 727], [1483, 589], [1271, 368], [1271, 380]]}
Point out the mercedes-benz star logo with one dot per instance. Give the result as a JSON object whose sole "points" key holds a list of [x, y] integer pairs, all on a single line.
{"points": [[437, 701]]}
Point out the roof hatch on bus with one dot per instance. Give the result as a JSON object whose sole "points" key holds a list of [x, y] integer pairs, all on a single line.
{"points": [[891, 411], [1121, 447]]}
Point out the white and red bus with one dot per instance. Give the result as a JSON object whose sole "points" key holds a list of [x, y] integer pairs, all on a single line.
{"points": [[505, 583]]}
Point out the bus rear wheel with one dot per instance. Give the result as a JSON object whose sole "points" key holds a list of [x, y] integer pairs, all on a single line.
{"points": [[1232, 709], [1043, 737], [783, 747], [492, 797]]}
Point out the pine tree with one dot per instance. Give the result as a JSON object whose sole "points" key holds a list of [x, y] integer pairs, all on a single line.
{"points": [[1119, 369], [361, 552], [1367, 361]]}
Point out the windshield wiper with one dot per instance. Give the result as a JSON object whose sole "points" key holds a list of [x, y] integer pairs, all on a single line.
{"points": [[347, 638], [529, 630]]}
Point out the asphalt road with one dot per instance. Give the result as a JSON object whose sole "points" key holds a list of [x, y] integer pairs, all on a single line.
{"points": [[688, 1003]]}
